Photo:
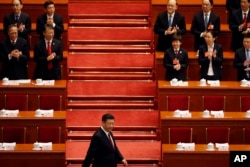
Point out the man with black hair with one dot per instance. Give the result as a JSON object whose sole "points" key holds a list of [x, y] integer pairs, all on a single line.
{"points": [[239, 24], [19, 18], [50, 17], [203, 21], [242, 59], [48, 53], [103, 151]]}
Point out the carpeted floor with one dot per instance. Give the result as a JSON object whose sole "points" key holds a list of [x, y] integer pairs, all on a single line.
{"points": [[132, 150]]}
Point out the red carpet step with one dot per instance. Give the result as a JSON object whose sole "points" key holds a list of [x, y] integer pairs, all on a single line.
{"points": [[136, 152]]}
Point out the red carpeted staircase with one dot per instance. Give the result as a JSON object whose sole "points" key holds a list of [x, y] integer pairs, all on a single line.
{"points": [[111, 69]]}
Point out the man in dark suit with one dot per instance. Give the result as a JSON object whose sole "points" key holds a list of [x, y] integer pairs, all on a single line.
{"points": [[48, 53], [168, 23], [14, 54], [239, 24], [203, 21], [231, 6], [210, 58], [103, 151], [176, 60], [50, 17], [19, 18], [242, 59]]}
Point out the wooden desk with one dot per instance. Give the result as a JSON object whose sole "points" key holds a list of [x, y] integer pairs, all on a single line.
{"points": [[24, 156], [33, 91], [234, 120], [30, 121], [198, 158], [231, 89]]}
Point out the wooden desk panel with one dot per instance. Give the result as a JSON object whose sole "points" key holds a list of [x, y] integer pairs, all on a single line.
{"points": [[231, 89], [33, 91], [30, 121], [24, 156], [198, 158], [234, 120]]}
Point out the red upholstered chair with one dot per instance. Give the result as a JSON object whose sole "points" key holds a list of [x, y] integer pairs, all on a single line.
{"points": [[49, 134], [16, 102], [180, 134], [46, 102], [214, 103], [13, 134], [246, 135], [244, 103], [178, 102], [217, 134]]}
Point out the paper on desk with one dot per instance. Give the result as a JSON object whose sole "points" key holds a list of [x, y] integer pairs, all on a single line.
{"points": [[10, 113], [44, 113], [213, 83], [218, 114], [8, 146], [222, 146]]}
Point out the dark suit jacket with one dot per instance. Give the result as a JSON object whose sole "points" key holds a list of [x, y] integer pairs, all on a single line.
{"points": [[14, 68], [232, 5], [23, 19], [239, 58], [237, 37], [161, 25], [101, 153], [198, 26], [58, 20], [216, 62], [40, 57], [168, 64]]}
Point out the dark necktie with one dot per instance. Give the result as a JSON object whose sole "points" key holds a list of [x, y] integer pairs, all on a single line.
{"points": [[111, 141], [50, 65], [248, 58], [206, 21], [16, 18], [170, 20], [176, 53]]}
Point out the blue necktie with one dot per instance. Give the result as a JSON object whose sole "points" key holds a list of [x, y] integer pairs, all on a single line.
{"points": [[248, 58], [206, 20], [170, 21], [16, 18]]}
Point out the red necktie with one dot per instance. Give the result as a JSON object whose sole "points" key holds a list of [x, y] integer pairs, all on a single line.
{"points": [[245, 21], [176, 52], [111, 141], [50, 65]]}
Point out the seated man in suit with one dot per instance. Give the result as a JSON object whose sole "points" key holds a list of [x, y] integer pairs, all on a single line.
{"points": [[19, 18], [48, 53], [168, 23], [203, 21], [14, 54], [103, 151], [210, 58], [239, 24], [176, 60], [242, 59], [50, 17]]}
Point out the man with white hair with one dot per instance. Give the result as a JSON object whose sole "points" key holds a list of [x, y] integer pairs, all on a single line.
{"points": [[168, 23]]}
